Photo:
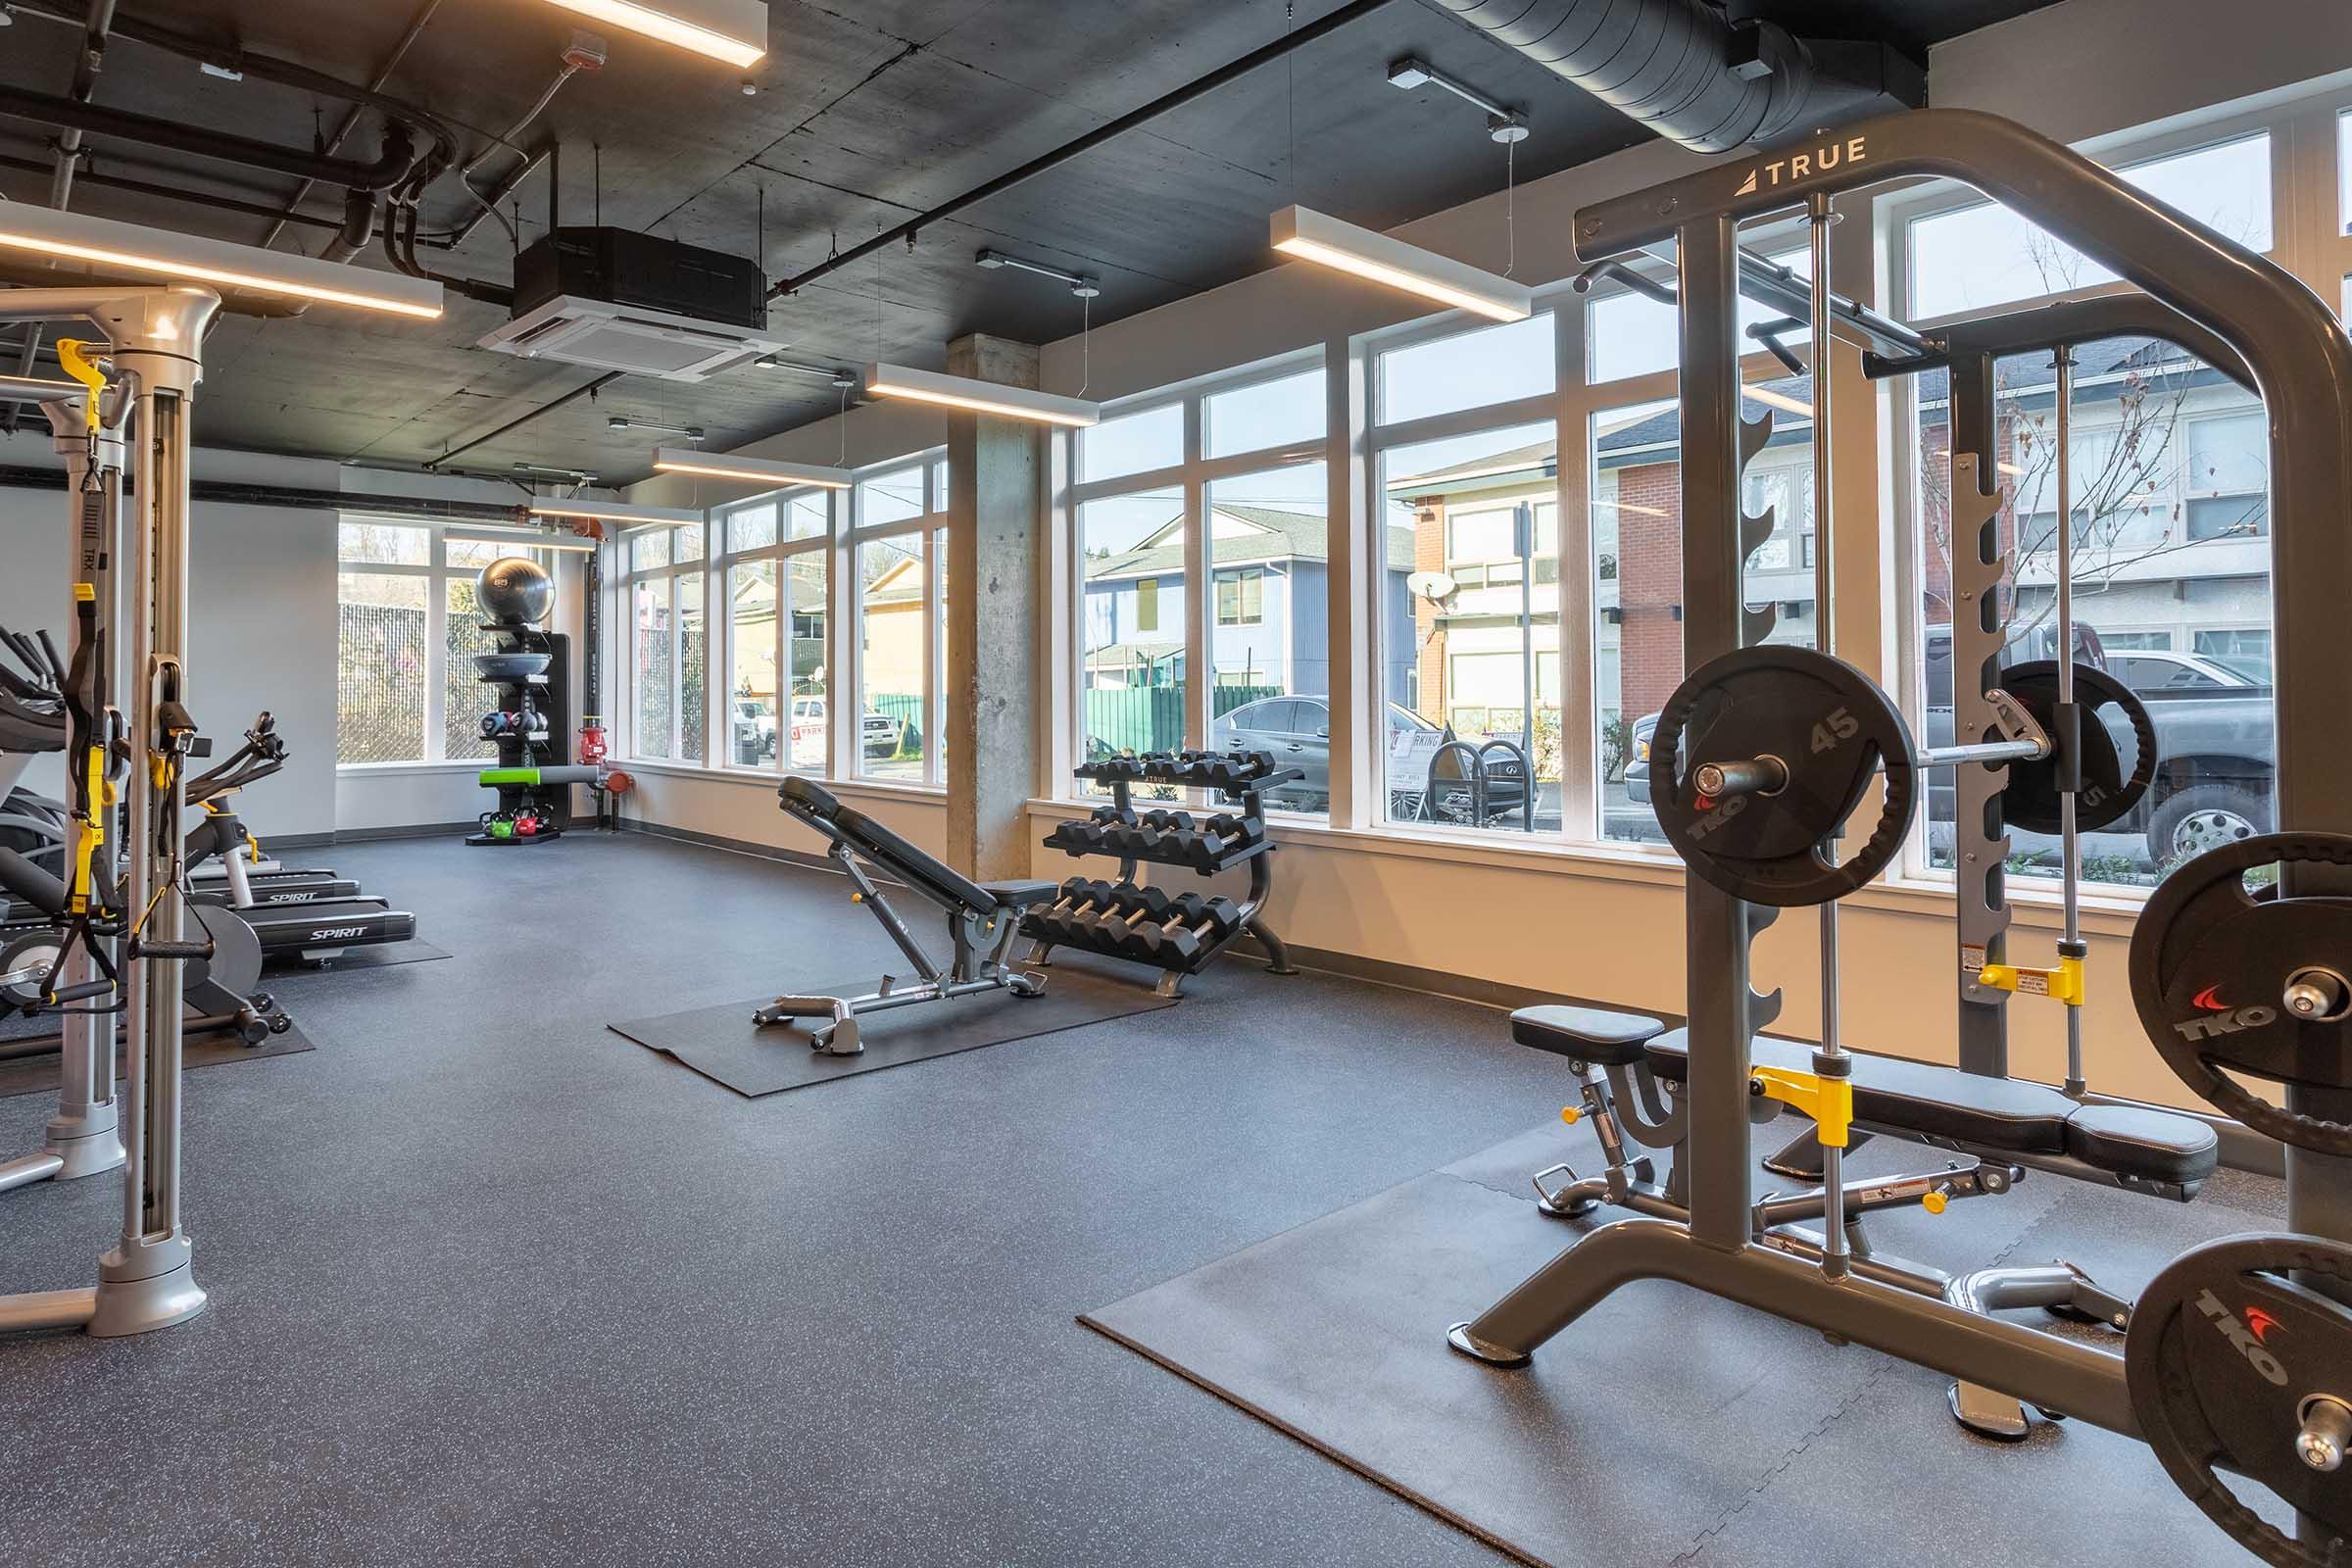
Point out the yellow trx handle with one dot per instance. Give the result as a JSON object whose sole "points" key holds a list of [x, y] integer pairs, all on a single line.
{"points": [[77, 366], [2061, 984], [1830, 1102]]}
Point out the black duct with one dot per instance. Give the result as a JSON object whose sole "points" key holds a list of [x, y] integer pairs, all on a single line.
{"points": [[1679, 67]]}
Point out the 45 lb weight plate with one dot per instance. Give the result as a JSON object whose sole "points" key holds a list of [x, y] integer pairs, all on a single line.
{"points": [[1761, 756], [2108, 793]]}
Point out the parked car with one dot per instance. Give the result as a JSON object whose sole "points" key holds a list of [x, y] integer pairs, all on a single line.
{"points": [[755, 731], [1297, 730], [2216, 739], [880, 734]]}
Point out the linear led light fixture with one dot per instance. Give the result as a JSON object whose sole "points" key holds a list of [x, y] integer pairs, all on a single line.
{"points": [[732, 30], [841, 375], [1314, 236], [569, 475], [613, 512], [527, 538], [981, 397], [758, 471], [1082, 286], [136, 248], [627, 422], [1503, 123]]}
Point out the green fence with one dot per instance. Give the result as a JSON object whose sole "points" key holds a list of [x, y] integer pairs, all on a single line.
{"points": [[1151, 718], [908, 711]]}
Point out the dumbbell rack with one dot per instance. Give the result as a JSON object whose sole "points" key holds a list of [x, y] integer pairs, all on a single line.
{"points": [[1178, 934], [537, 744]]}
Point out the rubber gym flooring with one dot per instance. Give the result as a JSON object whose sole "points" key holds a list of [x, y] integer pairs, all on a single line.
{"points": [[492, 1285]]}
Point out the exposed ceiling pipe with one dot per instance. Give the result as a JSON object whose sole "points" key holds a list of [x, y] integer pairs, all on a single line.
{"points": [[393, 166], [351, 120], [176, 193], [1688, 72], [86, 65], [1232, 72], [577, 392]]}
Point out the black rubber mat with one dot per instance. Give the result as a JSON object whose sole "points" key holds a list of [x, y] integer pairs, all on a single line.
{"points": [[381, 955], [723, 1045], [37, 1075], [1667, 1426]]}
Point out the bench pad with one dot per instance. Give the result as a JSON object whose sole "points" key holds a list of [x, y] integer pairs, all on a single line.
{"points": [[1019, 894], [2000, 1115], [926, 872], [1589, 1034]]}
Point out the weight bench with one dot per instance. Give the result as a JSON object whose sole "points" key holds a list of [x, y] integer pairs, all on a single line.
{"points": [[1630, 1068], [983, 918]]}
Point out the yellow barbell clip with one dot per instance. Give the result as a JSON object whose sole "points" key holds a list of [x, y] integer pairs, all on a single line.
{"points": [[1830, 1102], [2061, 984]]}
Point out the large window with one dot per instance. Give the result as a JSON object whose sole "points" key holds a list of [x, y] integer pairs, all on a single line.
{"points": [[406, 688], [898, 545], [2167, 519], [1466, 732], [669, 653], [773, 617], [1201, 542]]}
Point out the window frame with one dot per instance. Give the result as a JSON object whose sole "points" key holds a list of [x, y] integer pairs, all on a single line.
{"points": [[436, 573], [854, 533], [784, 551], [671, 569]]}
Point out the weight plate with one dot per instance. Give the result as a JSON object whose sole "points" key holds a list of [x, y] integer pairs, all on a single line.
{"points": [[2108, 793], [2212, 967], [2225, 1354], [1830, 727]]}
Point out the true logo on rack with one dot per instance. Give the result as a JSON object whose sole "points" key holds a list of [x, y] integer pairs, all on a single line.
{"points": [[2247, 1343], [1799, 166]]}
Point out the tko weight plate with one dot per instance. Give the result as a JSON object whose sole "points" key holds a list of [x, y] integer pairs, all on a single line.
{"points": [[2233, 1366], [2109, 791], [2227, 980], [1819, 729]]}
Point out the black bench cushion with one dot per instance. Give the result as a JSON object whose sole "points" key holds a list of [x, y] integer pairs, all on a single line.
{"points": [[2001, 1116], [1020, 894], [2147, 1143], [926, 872], [1589, 1034]]}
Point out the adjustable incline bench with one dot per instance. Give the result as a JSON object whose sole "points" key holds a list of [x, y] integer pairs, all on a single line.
{"points": [[1630, 1069], [983, 918]]}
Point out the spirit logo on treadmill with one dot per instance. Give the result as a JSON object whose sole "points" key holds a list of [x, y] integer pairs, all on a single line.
{"points": [[2247, 1344], [1799, 166], [328, 933]]}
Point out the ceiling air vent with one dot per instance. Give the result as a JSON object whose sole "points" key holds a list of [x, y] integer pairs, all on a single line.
{"points": [[615, 300]]}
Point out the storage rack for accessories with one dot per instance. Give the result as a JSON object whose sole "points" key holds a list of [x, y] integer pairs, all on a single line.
{"points": [[1175, 933], [531, 740]]}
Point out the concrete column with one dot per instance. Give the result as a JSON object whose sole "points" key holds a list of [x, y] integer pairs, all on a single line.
{"points": [[996, 602]]}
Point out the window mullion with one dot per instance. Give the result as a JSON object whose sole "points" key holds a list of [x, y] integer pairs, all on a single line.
{"points": [[1581, 785], [1200, 635]]}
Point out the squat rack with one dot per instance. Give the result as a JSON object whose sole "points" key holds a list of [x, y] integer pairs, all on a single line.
{"points": [[2298, 357]]}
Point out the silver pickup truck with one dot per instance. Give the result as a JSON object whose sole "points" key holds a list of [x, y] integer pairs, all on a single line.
{"points": [[2215, 733]]}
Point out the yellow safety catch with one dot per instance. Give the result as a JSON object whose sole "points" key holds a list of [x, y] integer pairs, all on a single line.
{"points": [[1830, 1102], [76, 364], [1571, 1115], [2061, 984]]}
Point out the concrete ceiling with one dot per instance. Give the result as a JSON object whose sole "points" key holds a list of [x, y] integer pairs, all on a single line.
{"points": [[867, 111]]}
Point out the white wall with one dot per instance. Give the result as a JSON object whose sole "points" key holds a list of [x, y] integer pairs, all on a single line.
{"points": [[1612, 929], [261, 631]]}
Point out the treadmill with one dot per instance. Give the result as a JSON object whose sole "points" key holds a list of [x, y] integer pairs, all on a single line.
{"points": [[303, 916]]}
